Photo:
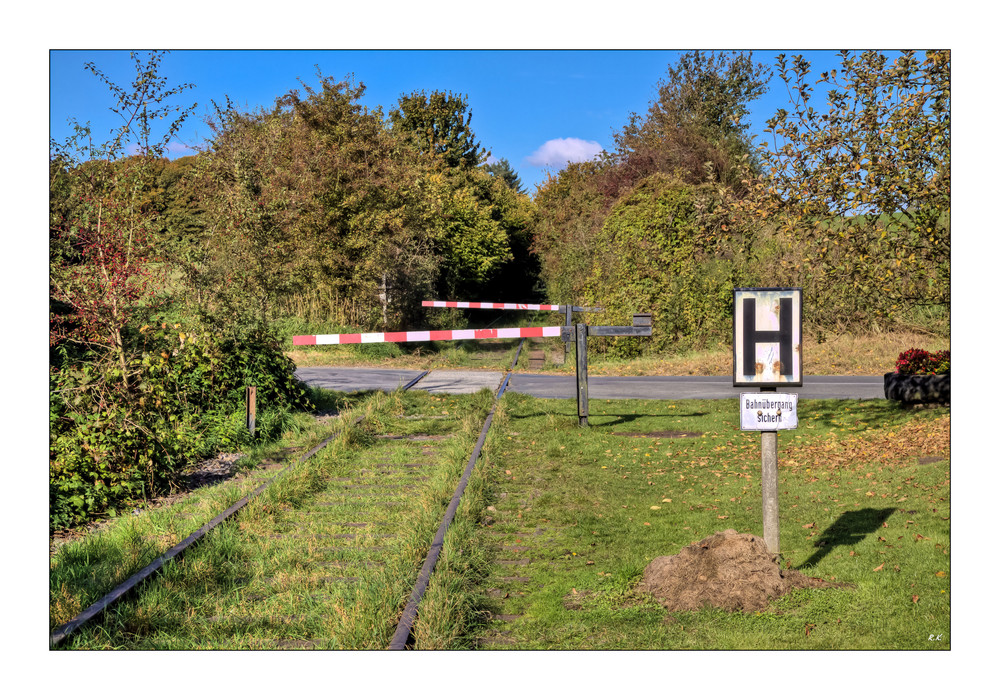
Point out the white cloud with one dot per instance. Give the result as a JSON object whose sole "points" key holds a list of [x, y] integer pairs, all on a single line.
{"points": [[176, 149], [558, 152]]}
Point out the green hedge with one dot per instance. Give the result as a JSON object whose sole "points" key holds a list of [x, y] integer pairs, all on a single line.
{"points": [[114, 440], [655, 253]]}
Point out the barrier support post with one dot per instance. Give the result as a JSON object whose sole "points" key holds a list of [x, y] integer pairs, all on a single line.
{"points": [[582, 391], [569, 322]]}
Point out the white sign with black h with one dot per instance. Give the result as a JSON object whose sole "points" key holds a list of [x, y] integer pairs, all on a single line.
{"points": [[767, 337]]}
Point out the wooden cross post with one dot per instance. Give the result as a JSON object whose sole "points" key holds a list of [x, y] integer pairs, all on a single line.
{"points": [[642, 326]]}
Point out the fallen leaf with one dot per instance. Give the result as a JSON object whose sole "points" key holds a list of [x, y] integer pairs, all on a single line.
{"points": [[666, 500], [809, 526], [590, 563], [879, 567], [885, 524], [940, 574], [645, 523], [654, 507], [916, 598], [723, 517]]}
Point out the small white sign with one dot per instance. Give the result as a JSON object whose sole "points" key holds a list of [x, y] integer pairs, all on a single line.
{"points": [[769, 411]]}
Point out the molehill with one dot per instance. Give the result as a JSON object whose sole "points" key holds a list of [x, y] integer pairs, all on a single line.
{"points": [[728, 570]]}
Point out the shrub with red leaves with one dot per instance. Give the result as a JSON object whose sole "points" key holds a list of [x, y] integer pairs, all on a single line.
{"points": [[918, 361]]}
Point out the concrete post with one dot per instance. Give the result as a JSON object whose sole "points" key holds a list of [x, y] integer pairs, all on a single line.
{"points": [[769, 485]]}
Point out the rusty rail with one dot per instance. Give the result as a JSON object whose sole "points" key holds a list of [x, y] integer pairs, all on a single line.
{"points": [[404, 629], [62, 632]]}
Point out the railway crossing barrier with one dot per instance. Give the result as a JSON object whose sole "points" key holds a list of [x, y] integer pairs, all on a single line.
{"points": [[567, 309], [642, 326]]}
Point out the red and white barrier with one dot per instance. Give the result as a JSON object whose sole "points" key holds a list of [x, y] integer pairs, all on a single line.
{"points": [[491, 305], [417, 336]]}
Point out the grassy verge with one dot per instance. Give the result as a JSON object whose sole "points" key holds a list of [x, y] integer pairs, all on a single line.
{"points": [[89, 565], [451, 614], [326, 557], [580, 513]]}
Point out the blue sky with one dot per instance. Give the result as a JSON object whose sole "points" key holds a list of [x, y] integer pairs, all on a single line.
{"points": [[536, 108]]}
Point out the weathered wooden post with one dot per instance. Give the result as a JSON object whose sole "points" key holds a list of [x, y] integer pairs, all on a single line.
{"points": [[769, 485], [569, 322], [252, 410], [582, 392], [642, 326]]}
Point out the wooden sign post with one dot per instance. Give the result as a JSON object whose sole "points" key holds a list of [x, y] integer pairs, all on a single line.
{"points": [[767, 353]]}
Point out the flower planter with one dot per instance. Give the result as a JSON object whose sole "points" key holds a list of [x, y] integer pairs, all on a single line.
{"points": [[918, 388]]}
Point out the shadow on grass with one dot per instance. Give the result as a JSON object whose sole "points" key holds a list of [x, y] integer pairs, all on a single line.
{"points": [[850, 528], [597, 420]]}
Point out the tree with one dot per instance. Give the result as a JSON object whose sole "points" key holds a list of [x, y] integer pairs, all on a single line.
{"points": [[102, 272], [696, 125], [569, 211], [868, 181], [439, 124], [315, 195], [693, 133], [503, 170]]}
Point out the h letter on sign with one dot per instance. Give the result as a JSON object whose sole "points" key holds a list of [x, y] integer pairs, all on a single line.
{"points": [[782, 336]]}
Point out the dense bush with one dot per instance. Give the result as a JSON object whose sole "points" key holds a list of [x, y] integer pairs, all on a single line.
{"points": [[917, 361], [115, 437], [656, 254]]}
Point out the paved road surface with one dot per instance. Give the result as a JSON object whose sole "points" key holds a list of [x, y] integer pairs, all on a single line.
{"points": [[551, 386]]}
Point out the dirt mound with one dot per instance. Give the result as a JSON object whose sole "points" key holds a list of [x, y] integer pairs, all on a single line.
{"points": [[728, 570]]}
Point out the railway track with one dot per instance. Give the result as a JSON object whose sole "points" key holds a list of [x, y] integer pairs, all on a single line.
{"points": [[302, 575]]}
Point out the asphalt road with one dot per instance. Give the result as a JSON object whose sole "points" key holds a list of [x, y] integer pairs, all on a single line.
{"points": [[551, 386]]}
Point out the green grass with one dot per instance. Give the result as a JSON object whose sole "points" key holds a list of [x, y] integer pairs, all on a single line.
{"points": [[326, 557], [590, 509], [552, 536]]}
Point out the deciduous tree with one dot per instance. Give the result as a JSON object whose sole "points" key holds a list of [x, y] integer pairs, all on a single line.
{"points": [[866, 178], [101, 270], [439, 124]]}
